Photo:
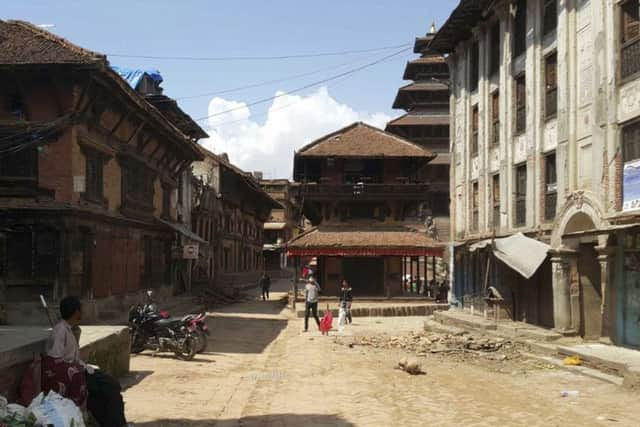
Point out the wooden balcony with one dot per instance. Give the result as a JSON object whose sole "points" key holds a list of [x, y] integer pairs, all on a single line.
{"points": [[370, 191]]}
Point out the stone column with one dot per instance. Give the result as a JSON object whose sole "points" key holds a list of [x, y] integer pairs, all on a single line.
{"points": [[605, 258], [561, 295]]}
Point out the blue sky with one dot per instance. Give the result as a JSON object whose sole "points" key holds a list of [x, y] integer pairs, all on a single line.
{"points": [[249, 28]]}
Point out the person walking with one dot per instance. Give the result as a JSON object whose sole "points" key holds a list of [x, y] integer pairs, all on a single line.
{"points": [[311, 296], [265, 284], [346, 298]]}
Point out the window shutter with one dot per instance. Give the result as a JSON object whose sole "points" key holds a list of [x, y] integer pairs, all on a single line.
{"points": [[630, 20]]}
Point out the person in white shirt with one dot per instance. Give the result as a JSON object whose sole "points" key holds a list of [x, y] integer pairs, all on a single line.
{"points": [[64, 372], [311, 294]]}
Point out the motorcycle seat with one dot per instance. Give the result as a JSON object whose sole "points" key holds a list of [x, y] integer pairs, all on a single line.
{"points": [[170, 322]]}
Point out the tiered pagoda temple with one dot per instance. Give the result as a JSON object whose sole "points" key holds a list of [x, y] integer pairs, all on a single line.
{"points": [[426, 123]]}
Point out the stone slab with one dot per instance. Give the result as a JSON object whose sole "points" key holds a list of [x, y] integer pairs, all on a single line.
{"points": [[464, 320], [378, 310]]}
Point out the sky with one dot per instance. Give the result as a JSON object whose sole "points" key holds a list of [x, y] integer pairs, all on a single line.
{"points": [[259, 137]]}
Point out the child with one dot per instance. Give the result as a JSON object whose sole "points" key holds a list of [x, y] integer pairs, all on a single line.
{"points": [[326, 322]]}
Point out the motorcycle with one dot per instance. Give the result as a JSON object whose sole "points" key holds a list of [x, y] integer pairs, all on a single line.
{"points": [[196, 321], [150, 331]]}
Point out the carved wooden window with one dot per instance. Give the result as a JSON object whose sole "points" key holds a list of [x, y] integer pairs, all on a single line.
{"points": [[550, 16], [94, 175], [494, 49], [166, 201], [495, 199], [137, 187], [495, 118], [631, 142], [475, 67], [630, 38], [21, 163], [521, 104], [520, 195], [551, 186], [475, 204], [551, 85], [520, 29], [474, 130]]}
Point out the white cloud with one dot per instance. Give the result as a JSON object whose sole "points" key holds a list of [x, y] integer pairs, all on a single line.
{"points": [[292, 121]]}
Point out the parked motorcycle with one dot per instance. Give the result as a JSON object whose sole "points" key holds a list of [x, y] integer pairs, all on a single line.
{"points": [[196, 321], [150, 331]]}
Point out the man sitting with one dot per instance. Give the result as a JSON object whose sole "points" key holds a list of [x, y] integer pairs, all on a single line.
{"points": [[64, 372]]}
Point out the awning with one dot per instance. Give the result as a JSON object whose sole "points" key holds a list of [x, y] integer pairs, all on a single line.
{"points": [[275, 225], [523, 254], [180, 228]]}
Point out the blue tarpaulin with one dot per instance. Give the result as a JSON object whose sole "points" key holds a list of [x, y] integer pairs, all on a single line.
{"points": [[133, 76]]}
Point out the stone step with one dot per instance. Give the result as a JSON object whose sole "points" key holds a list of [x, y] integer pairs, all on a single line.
{"points": [[524, 331], [431, 325], [581, 370], [464, 320], [386, 311]]}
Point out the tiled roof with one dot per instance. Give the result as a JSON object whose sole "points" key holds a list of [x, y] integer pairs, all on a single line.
{"points": [[337, 238], [424, 86], [24, 43], [362, 140], [459, 25]]}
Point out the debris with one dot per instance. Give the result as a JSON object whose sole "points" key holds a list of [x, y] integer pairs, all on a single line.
{"points": [[572, 361], [410, 365], [569, 393]]}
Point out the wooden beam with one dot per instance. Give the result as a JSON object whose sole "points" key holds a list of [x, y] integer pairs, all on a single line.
{"points": [[123, 117], [155, 150], [143, 143], [83, 93], [136, 131]]}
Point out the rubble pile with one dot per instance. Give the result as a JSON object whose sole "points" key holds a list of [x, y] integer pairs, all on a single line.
{"points": [[499, 354]]}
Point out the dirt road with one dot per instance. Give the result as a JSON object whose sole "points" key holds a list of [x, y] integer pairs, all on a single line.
{"points": [[263, 371]]}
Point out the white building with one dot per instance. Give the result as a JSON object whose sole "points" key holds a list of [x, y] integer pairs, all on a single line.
{"points": [[545, 140]]}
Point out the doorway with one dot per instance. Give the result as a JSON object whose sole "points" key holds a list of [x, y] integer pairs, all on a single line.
{"points": [[365, 275], [590, 292]]}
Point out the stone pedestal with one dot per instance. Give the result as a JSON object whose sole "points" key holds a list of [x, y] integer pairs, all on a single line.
{"points": [[606, 258]]}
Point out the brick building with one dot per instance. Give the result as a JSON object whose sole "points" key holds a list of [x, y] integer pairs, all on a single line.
{"points": [[364, 191], [88, 168], [545, 116], [285, 222], [229, 211]]}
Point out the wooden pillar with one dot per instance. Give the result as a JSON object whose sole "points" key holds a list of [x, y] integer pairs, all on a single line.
{"points": [[402, 262], [433, 274], [412, 272]]}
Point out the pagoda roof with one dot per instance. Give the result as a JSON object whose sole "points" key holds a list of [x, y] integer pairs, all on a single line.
{"points": [[364, 240], [421, 43], [411, 119], [412, 66], [402, 100], [362, 140]]}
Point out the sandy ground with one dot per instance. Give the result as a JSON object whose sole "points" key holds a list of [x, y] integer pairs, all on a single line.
{"points": [[262, 370]]}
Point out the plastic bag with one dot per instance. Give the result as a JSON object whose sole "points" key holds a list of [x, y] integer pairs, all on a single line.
{"points": [[55, 410], [342, 318], [326, 322], [572, 361], [3, 407]]}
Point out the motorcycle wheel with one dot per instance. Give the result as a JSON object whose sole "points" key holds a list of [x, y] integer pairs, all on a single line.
{"points": [[202, 340], [190, 348], [137, 343]]}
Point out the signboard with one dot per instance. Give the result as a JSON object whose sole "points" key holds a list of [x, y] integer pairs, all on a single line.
{"points": [[190, 251], [631, 186]]}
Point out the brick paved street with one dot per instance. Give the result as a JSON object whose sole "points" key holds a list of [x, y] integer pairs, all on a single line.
{"points": [[263, 371]]}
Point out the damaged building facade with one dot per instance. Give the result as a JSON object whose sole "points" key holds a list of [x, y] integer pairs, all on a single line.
{"points": [[229, 210], [545, 119], [88, 176]]}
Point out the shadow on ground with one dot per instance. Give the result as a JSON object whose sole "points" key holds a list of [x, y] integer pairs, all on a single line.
{"points": [[272, 306], [279, 420], [242, 334]]}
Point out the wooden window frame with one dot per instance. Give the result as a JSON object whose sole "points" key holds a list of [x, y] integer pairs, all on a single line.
{"points": [[475, 130], [495, 200], [166, 201], [629, 41], [495, 118], [475, 206], [550, 87], [550, 188], [520, 197], [474, 67], [520, 29], [520, 104], [495, 49], [549, 17]]}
